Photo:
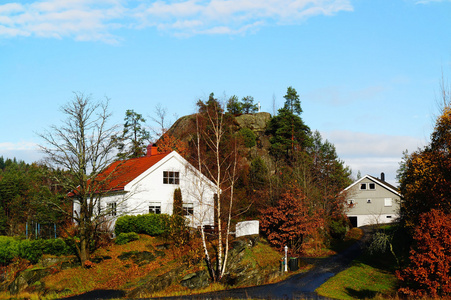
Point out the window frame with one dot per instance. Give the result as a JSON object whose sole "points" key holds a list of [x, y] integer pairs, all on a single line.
{"points": [[155, 208], [390, 202], [362, 187], [187, 209], [371, 184], [171, 177], [112, 209]]}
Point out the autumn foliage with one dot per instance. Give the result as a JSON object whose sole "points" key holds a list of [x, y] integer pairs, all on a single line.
{"points": [[425, 178], [291, 221], [429, 272]]}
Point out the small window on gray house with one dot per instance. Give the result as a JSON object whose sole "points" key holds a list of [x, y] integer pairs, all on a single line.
{"points": [[371, 186], [350, 201], [170, 177], [155, 208], [388, 217], [368, 201], [363, 186]]}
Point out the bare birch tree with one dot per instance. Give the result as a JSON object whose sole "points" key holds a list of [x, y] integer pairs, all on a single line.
{"points": [[217, 158], [82, 147]]}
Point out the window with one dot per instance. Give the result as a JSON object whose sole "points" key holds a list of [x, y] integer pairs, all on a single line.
{"points": [[368, 201], [388, 202], [388, 217], [155, 208], [188, 209], [371, 186], [363, 186], [350, 202], [170, 177], [112, 209]]}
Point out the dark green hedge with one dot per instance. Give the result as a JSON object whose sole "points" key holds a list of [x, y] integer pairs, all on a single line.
{"points": [[124, 238], [32, 250], [151, 224]]}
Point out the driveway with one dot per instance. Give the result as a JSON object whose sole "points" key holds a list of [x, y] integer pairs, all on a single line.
{"points": [[300, 286]]}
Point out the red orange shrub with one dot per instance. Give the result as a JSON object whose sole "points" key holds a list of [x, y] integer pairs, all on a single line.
{"points": [[429, 272]]}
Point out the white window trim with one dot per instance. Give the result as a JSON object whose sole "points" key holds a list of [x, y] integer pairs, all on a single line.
{"points": [[188, 209], [388, 202], [156, 205]]}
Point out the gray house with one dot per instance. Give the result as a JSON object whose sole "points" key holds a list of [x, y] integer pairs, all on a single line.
{"points": [[372, 201]]}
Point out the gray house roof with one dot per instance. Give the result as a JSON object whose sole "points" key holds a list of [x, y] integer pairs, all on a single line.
{"points": [[380, 182]]}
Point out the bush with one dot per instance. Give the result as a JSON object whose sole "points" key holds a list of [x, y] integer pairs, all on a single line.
{"points": [[248, 136], [125, 238], [150, 224], [338, 229], [31, 250], [429, 272], [8, 249]]}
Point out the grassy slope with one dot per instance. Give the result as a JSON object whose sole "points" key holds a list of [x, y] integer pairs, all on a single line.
{"points": [[368, 277], [114, 273]]}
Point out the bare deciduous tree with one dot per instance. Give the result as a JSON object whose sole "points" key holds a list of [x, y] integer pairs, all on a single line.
{"points": [[82, 146], [219, 162]]}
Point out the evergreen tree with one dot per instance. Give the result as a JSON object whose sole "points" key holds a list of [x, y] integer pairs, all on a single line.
{"points": [[248, 106], [135, 138], [177, 208], [234, 106], [292, 102]]}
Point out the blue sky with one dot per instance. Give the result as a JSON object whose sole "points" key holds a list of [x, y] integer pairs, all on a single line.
{"points": [[368, 72]]}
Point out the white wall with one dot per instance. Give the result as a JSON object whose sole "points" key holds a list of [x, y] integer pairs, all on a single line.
{"points": [[148, 188]]}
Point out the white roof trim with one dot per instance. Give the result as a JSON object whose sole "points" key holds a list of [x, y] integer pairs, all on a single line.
{"points": [[375, 181]]}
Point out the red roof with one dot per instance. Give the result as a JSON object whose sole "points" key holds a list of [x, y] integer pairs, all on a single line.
{"points": [[123, 172]]}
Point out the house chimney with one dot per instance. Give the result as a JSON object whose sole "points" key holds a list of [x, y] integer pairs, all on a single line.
{"points": [[152, 150], [382, 176]]}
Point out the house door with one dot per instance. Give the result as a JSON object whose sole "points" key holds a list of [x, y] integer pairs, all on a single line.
{"points": [[353, 221]]}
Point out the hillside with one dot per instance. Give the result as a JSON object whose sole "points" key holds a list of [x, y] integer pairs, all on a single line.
{"points": [[144, 268]]}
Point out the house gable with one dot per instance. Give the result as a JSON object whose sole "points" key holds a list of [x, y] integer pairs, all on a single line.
{"points": [[372, 201]]}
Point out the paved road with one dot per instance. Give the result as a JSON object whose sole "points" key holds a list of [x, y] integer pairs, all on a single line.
{"points": [[300, 286]]}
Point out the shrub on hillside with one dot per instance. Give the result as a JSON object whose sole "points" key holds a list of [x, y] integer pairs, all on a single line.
{"points": [[31, 250], [429, 272], [248, 136], [125, 238], [150, 224]]}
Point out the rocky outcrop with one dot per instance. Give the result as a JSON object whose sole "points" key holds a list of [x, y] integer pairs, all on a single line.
{"points": [[151, 283], [256, 122], [30, 279]]}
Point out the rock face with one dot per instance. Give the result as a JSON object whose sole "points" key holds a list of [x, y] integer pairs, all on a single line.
{"points": [[30, 279], [245, 274], [256, 122]]}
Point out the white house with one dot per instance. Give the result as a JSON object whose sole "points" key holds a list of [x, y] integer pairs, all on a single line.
{"points": [[146, 185], [372, 201]]}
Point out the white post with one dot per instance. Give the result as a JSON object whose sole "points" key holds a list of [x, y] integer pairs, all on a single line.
{"points": [[286, 258]]}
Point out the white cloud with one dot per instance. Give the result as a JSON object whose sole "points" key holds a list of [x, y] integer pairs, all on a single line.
{"points": [[26, 151], [97, 19], [372, 153]]}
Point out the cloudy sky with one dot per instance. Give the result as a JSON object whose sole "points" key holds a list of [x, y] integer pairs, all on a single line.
{"points": [[368, 72]]}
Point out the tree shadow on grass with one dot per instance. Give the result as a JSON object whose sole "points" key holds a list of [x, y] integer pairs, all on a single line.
{"points": [[362, 294]]}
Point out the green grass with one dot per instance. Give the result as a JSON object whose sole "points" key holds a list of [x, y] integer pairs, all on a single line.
{"points": [[360, 281], [369, 276]]}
